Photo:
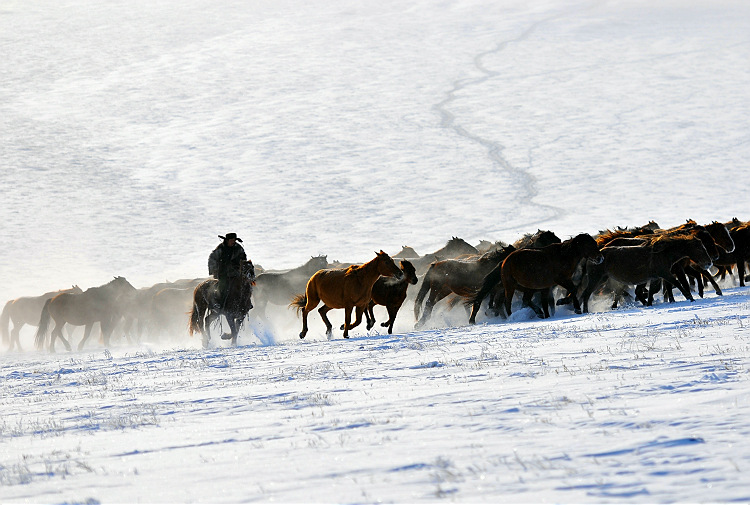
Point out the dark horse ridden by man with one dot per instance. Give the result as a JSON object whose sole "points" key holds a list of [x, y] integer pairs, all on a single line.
{"points": [[209, 304]]}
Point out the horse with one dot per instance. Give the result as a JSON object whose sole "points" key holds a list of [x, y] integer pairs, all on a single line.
{"points": [[541, 269], [25, 310], [459, 276], [491, 284], [237, 303], [407, 253], [278, 287], [638, 264], [167, 310], [454, 248], [340, 288], [740, 233], [139, 306], [101, 304], [685, 266], [391, 294]]}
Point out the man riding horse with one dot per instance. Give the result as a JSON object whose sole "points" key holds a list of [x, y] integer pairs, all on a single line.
{"points": [[225, 264]]}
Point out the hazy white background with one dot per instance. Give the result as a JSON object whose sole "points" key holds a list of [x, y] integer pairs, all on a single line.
{"points": [[133, 133]]}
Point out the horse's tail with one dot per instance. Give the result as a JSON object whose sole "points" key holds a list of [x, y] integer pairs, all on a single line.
{"points": [[43, 327], [5, 321], [426, 284], [299, 301], [488, 284], [196, 316]]}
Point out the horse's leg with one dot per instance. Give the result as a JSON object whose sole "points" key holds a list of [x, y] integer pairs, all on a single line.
{"points": [[510, 289], [741, 271], [211, 317], [571, 288], [14, 337], [670, 278], [233, 331], [329, 327], [545, 303], [108, 328], [348, 319], [527, 300], [434, 297], [682, 279], [311, 303], [86, 333], [392, 311], [707, 276], [57, 332], [370, 314]]}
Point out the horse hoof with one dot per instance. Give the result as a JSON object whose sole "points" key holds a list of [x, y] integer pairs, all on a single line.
{"points": [[301, 335], [578, 311], [226, 336]]}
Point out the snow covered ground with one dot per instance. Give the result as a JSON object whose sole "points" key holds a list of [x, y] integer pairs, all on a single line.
{"points": [[135, 132]]}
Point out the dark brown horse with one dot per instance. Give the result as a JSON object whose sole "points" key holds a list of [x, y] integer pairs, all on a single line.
{"points": [[25, 310], [634, 265], [459, 276], [492, 285], [740, 233], [102, 304], [278, 288], [340, 288], [710, 236], [390, 293], [238, 302], [542, 269]]}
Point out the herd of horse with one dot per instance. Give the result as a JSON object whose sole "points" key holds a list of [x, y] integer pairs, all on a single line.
{"points": [[645, 259]]}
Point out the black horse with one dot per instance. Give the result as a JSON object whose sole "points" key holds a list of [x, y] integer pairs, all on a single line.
{"points": [[238, 303]]}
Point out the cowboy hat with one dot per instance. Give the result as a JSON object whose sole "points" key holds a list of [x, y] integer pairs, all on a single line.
{"points": [[231, 236]]}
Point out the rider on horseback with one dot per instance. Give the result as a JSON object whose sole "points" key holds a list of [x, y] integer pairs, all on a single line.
{"points": [[225, 262]]}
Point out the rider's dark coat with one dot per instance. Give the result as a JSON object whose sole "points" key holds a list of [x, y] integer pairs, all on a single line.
{"points": [[225, 261]]}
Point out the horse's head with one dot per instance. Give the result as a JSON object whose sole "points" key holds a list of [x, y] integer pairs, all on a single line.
{"points": [[248, 271], [387, 267], [708, 242], [721, 236], [409, 271], [121, 284], [458, 246], [588, 248], [696, 251], [75, 290], [318, 262]]}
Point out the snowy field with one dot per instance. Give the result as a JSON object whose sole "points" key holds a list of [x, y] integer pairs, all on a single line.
{"points": [[133, 133]]}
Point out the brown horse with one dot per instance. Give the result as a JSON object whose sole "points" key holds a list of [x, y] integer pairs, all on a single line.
{"points": [[636, 265], [102, 304], [542, 269], [340, 288], [278, 287], [25, 310], [459, 276], [391, 294], [237, 303]]}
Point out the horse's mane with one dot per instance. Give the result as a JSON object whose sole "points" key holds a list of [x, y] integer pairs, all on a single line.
{"points": [[529, 239], [689, 224], [608, 235]]}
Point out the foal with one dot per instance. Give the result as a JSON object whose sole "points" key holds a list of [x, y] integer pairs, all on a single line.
{"points": [[391, 294]]}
